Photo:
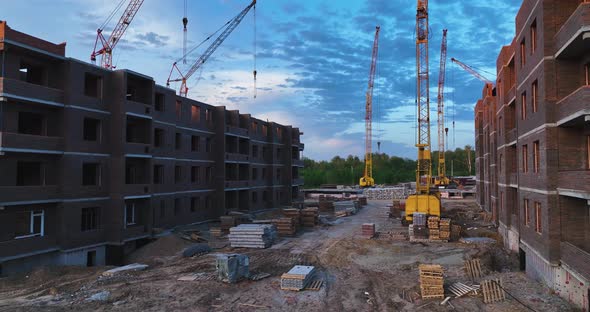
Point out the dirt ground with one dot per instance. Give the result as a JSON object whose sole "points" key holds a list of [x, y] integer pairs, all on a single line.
{"points": [[359, 274]]}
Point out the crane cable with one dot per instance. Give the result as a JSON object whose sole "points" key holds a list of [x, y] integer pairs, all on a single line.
{"points": [[113, 13], [254, 71]]}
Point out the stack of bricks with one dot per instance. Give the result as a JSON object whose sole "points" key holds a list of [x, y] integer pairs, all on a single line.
{"points": [[310, 216], [445, 229], [285, 226], [294, 214], [431, 281], [227, 222], [215, 232], [433, 229], [368, 230]]}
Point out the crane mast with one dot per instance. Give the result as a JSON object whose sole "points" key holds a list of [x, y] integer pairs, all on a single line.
{"points": [[424, 164], [231, 25], [106, 52], [442, 179], [367, 179]]}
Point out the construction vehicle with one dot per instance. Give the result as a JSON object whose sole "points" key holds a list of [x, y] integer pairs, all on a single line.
{"points": [[230, 26], [367, 179], [425, 200], [490, 86], [441, 180], [106, 52]]}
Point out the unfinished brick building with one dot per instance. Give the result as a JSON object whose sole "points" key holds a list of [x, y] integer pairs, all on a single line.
{"points": [[92, 160], [533, 145]]}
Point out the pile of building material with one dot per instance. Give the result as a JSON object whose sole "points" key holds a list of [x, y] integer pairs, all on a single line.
{"points": [[285, 226], [455, 232], [395, 209], [445, 229], [252, 235], [460, 289], [433, 230], [363, 200], [297, 278], [431, 281], [368, 230], [227, 222], [294, 214], [310, 216], [232, 267], [417, 233], [326, 206], [419, 218], [386, 193], [215, 232]]}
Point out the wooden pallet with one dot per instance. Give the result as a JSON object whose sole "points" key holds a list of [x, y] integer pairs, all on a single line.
{"points": [[473, 269], [315, 285], [431, 281], [460, 289], [492, 291]]}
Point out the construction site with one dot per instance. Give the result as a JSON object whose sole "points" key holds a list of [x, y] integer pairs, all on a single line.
{"points": [[120, 194]]}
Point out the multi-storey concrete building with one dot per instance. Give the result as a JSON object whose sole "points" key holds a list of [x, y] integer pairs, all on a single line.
{"points": [[93, 160], [541, 123]]}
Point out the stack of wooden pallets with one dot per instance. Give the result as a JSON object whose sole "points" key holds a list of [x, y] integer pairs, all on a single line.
{"points": [[493, 291], [445, 228], [285, 226], [368, 230], [297, 278], [431, 281], [433, 230], [294, 214], [310, 216]]}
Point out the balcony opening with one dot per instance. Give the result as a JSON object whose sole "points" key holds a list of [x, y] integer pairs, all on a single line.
{"points": [[254, 197], [264, 130], [575, 218], [158, 174], [138, 130], [130, 213], [244, 146], [93, 85], [295, 172], [195, 113], [29, 223], [264, 173], [178, 109], [195, 204], [231, 144], [255, 174], [231, 172], [139, 90], [160, 101], [280, 133], [278, 174], [159, 137], [231, 200], [195, 143], [279, 153], [243, 172], [208, 115], [90, 219], [91, 174], [34, 74], [178, 141], [195, 174], [30, 173], [177, 174], [177, 206], [255, 151], [265, 196], [254, 127], [32, 123], [91, 131], [136, 171], [91, 258]]}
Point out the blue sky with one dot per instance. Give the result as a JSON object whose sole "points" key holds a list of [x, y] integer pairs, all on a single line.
{"points": [[313, 59]]}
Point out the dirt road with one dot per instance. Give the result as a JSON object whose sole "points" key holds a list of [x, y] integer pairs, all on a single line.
{"points": [[359, 275]]}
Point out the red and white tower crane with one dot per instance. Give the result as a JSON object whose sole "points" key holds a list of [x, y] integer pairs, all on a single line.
{"points": [[108, 45]]}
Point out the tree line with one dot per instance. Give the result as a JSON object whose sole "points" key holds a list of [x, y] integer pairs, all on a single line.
{"points": [[386, 169]]}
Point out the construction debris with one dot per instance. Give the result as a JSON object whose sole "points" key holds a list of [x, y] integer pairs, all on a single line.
{"points": [[431, 281], [315, 285], [196, 250], [492, 291], [368, 230], [129, 267], [232, 267], [460, 289], [387, 193], [252, 235], [473, 269], [297, 278], [259, 276]]}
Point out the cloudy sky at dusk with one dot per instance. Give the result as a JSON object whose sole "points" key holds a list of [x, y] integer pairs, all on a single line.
{"points": [[313, 59]]}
